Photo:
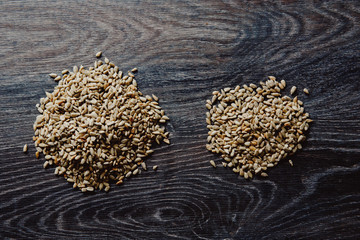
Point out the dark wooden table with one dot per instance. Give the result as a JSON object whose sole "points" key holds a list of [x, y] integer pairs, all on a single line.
{"points": [[185, 50]]}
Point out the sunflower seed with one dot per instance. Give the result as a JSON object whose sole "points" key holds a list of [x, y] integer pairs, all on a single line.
{"points": [[213, 163], [98, 54], [46, 163], [94, 129], [291, 163], [253, 128], [143, 165]]}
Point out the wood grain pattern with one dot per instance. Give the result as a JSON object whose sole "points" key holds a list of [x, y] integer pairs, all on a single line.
{"points": [[184, 50]]}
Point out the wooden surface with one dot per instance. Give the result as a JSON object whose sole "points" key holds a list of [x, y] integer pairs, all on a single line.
{"points": [[185, 50]]}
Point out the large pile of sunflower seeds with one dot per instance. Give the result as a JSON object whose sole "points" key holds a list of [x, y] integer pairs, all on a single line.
{"points": [[254, 127], [97, 127]]}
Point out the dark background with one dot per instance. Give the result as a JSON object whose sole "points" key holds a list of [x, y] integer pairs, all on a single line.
{"points": [[184, 50]]}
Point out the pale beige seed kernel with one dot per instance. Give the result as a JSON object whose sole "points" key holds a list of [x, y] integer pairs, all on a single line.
{"points": [[98, 54], [143, 165], [25, 148], [46, 164], [213, 163], [291, 163], [155, 97], [283, 82]]}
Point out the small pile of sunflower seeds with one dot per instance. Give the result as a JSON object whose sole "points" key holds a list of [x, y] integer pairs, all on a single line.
{"points": [[97, 127], [254, 127]]}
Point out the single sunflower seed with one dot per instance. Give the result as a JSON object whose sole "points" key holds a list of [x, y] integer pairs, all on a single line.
{"points": [[291, 163], [98, 54], [213, 163], [25, 148]]}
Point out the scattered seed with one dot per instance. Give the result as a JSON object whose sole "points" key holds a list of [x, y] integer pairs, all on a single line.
{"points": [[70, 180], [65, 71], [155, 97], [53, 75], [25, 148], [213, 163], [293, 89], [291, 163], [134, 70], [155, 167], [98, 54], [283, 83], [46, 163], [306, 91], [58, 78], [143, 165]]}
